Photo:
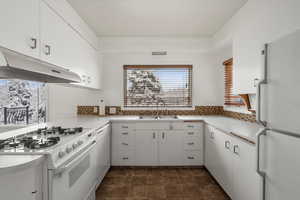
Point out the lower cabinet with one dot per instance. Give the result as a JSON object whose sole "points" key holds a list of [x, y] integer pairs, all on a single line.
{"points": [[161, 144], [146, 148], [232, 163]]}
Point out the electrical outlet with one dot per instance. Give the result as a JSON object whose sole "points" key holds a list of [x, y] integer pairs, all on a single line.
{"points": [[112, 110], [95, 109]]}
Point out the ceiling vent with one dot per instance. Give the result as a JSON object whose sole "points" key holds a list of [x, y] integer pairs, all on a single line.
{"points": [[159, 53]]}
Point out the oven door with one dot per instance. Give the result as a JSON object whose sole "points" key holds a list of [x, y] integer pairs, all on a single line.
{"points": [[76, 179]]}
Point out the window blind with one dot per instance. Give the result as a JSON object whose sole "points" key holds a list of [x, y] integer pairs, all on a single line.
{"points": [[229, 98], [158, 85]]}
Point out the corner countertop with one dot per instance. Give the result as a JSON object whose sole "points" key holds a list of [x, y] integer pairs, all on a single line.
{"points": [[11, 163]]}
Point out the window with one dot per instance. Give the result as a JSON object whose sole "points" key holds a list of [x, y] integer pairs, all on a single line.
{"points": [[158, 85], [230, 99], [22, 102]]}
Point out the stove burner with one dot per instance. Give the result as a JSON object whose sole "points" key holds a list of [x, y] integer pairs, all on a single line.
{"points": [[42, 138]]}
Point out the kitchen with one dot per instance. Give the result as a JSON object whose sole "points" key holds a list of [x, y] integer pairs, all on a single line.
{"points": [[169, 99]]}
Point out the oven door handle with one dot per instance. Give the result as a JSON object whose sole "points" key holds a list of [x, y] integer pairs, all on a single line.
{"points": [[82, 153]]}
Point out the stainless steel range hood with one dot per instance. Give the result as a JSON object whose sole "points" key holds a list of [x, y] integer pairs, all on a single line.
{"points": [[18, 66]]}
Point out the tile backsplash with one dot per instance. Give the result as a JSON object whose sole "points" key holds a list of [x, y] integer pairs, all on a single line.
{"points": [[199, 110]]}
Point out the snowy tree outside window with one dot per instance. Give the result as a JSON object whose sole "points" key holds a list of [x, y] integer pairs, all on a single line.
{"points": [[22, 101], [163, 86]]}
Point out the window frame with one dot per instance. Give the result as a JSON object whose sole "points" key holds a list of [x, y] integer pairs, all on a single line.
{"points": [[228, 85], [179, 107]]}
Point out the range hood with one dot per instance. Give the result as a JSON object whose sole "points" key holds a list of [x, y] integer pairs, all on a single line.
{"points": [[14, 65]]}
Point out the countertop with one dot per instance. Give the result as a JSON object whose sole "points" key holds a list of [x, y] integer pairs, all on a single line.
{"points": [[241, 129], [10, 163]]}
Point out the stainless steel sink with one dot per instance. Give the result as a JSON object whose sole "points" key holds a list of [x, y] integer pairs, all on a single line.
{"points": [[159, 117]]}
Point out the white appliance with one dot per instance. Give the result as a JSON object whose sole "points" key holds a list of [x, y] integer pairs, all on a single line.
{"points": [[77, 158], [278, 110], [14, 65]]}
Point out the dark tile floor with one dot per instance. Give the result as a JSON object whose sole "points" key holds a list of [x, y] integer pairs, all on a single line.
{"points": [[159, 184]]}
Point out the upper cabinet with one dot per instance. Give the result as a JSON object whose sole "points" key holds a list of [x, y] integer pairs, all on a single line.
{"points": [[35, 28], [20, 26], [247, 66]]}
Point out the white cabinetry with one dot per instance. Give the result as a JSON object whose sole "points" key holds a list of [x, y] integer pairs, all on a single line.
{"points": [[159, 143], [232, 163], [146, 148], [24, 183], [19, 23], [170, 148], [36, 29]]}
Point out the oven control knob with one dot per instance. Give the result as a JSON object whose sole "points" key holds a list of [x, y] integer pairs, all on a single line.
{"points": [[75, 145], [80, 142], [61, 154], [69, 149]]}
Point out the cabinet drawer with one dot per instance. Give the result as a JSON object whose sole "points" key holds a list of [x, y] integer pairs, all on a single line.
{"points": [[193, 143], [188, 126], [192, 133], [124, 126], [193, 158], [123, 159]]}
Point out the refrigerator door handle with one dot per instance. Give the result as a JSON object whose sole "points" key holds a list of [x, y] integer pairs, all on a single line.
{"points": [[263, 132], [262, 82]]}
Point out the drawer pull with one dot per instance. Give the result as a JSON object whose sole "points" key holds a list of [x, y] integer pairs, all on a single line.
{"points": [[190, 133], [124, 126], [227, 145], [191, 143], [125, 144], [236, 149], [125, 158], [125, 133], [191, 158]]}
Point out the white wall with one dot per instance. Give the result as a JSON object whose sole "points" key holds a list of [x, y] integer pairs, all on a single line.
{"points": [[256, 23], [63, 100], [207, 72]]}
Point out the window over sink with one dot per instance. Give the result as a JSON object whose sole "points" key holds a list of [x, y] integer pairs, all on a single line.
{"points": [[158, 86]]}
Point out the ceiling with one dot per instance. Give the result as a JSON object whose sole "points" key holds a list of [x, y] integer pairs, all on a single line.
{"points": [[173, 18]]}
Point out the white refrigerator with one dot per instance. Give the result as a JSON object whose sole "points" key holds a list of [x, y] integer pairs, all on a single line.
{"points": [[278, 109]]}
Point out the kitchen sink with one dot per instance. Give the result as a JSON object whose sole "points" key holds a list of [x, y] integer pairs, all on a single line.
{"points": [[159, 117]]}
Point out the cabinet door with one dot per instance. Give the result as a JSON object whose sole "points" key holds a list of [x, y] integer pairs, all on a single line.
{"points": [[146, 148], [19, 23], [246, 182], [223, 156], [170, 148], [59, 42], [25, 184], [210, 151]]}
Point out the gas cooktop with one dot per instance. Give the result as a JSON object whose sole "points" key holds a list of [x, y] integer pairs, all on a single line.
{"points": [[40, 139]]}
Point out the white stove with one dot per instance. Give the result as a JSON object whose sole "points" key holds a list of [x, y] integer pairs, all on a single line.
{"points": [[60, 144]]}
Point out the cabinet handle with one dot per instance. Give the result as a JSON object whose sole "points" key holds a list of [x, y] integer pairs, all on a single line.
{"points": [[255, 82], [163, 135], [153, 135], [125, 133], [191, 158], [34, 43], [191, 143], [190, 133], [125, 158], [124, 143], [212, 135], [227, 145], [190, 126], [34, 192], [124, 126], [236, 149], [48, 50]]}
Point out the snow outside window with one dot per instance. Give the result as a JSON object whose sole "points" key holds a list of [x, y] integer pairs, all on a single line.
{"points": [[22, 101], [158, 86]]}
